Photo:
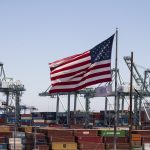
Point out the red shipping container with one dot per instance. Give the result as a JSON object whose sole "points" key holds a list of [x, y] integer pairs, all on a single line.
{"points": [[2, 120], [85, 132], [146, 139], [6, 134], [59, 132], [118, 140], [77, 126], [91, 139], [142, 132], [26, 115], [42, 147], [146, 128], [120, 146], [93, 146], [61, 139], [2, 140], [38, 135]]}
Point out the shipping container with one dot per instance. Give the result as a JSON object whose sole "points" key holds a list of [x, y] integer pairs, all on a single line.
{"points": [[120, 146], [136, 144], [109, 133], [15, 140], [3, 146], [146, 146], [61, 139], [15, 146], [118, 139], [93, 139], [64, 146], [59, 132], [92, 146], [146, 139], [140, 148], [42, 147], [3, 140], [4, 128], [85, 132]]}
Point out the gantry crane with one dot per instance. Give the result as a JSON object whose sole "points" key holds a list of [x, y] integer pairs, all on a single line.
{"points": [[30, 108], [87, 93], [11, 89], [139, 94]]}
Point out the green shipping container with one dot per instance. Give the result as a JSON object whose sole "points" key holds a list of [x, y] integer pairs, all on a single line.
{"points": [[110, 133], [137, 149]]}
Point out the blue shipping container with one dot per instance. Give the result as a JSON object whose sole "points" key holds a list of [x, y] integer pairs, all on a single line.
{"points": [[3, 146]]}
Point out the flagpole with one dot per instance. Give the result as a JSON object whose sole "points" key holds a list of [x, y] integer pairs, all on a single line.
{"points": [[131, 93], [116, 94]]}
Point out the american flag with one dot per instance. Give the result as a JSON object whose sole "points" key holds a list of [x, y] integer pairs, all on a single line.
{"points": [[79, 71]]}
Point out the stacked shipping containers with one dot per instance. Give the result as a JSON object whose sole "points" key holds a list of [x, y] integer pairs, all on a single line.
{"points": [[49, 117], [5, 134], [11, 118], [37, 119], [87, 139], [136, 140], [33, 139], [26, 119], [145, 137], [108, 137], [2, 119], [15, 144], [20, 135], [61, 139]]}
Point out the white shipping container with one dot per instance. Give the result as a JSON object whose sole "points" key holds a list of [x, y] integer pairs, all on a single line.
{"points": [[146, 146], [16, 146], [38, 121], [16, 140], [50, 121], [26, 118]]}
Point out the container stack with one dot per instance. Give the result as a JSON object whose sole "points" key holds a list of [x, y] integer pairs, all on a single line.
{"points": [[62, 117], [80, 117], [61, 139], [136, 141], [123, 119], [5, 134], [37, 119], [98, 119], [36, 139], [63, 146], [2, 119], [49, 117], [3, 139], [108, 137], [146, 146], [20, 135], [11, 118], [145, 138], [3, 146], [15, 144], [26, 119], [88, 139]]}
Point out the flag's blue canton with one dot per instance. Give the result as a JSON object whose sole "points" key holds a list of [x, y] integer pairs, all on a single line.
{"points": [[102, 51]]}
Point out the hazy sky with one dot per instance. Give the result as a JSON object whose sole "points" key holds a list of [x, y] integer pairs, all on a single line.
{"points": [[36, 32]]}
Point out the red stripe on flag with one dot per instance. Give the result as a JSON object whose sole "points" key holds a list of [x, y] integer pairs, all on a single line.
{"points": [[80, 87], [83, 79]]}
